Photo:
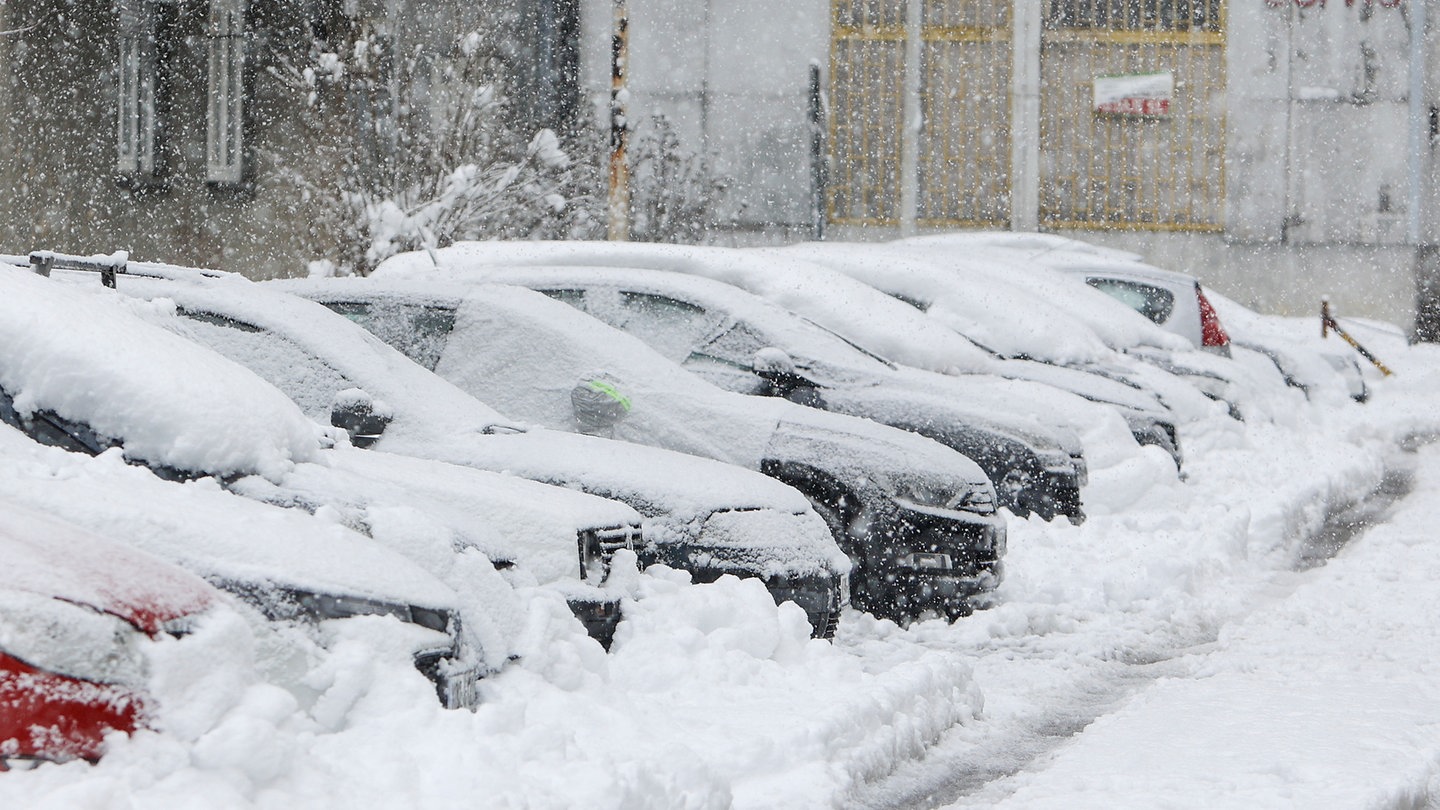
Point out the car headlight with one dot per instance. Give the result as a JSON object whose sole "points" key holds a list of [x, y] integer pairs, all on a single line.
{"points": [[943, 495], [1056, 460]]}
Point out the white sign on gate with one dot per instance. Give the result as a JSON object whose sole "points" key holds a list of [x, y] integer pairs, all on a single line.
{"points": [[1138, 94]]}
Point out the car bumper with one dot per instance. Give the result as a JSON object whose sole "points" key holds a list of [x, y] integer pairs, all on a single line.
{"points": [[931, 561], [600, 616]]}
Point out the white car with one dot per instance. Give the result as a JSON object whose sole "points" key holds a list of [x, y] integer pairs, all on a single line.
{"points": [[186, 413], [288, 565]]}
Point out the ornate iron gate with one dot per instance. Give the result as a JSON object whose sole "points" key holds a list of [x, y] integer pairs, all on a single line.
{"points": [[867, 76], [964, 162]]}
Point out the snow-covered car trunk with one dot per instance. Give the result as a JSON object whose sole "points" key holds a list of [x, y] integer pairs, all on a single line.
{"points": [[75, 611], [917, 518]]}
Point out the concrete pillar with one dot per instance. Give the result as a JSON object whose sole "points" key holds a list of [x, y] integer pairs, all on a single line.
{"points": [[1025, 117]]}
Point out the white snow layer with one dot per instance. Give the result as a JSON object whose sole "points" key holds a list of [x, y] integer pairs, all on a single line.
{"points": [[1281, 688], [75, 351]]}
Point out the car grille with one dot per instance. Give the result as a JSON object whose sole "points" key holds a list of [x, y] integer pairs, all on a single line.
{"points": [[598, 546]]}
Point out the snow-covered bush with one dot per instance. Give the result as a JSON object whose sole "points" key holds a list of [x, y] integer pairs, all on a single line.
{"points": [[424, 153]]}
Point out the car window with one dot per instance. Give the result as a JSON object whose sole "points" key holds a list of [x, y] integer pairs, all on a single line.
{"points": [[418, 331], [47, 427], [308, 380], [1153, 302], [736, 345], [670, 327], [575, 298]]}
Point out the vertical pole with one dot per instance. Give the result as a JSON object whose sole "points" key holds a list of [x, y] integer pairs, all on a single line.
{"points": [[1025, 46], [619, 202], [1427, 254], [911, 119], [818, 208], [1419, 120]]}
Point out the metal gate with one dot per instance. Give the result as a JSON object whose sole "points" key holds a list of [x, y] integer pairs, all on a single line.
{"points": [[1133, 168], [963, 162]]}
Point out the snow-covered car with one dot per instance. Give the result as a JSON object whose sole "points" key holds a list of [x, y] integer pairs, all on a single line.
{"points": [[1118, 340], [982, 316], [75, 612], [198, 417], [707, 517], [1173, 301], [1296, 349], [715, 330], [917, 519]]}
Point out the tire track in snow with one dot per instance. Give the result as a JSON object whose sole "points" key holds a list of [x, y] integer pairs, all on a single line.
{"points": [[973, 764]]}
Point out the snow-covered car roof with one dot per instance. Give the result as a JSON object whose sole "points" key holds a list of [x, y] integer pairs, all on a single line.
{"points": [[1033, 243], [906, 395], [85, 355], [1116, 324], [994, 313], [50, 557], [213, 533], [435, 419], [841, 304], [531, 351]]}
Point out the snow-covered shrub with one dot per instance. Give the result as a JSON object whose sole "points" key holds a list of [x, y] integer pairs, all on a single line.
{"points": [[424, 154]]}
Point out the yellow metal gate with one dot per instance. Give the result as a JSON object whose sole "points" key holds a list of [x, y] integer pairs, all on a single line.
{"points": [[867, 77], [964, 162], [1129, 169], [963, 165]]}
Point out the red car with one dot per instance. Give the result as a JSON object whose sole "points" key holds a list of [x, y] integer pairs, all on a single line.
{"points": [[75, 610]]}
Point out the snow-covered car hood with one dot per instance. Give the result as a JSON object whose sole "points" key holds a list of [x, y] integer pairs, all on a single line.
{"points": [[83, 354], [428, 510], [221, 536]]}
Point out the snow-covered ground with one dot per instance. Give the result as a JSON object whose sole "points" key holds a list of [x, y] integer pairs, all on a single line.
{"points": [[1166, 653]]}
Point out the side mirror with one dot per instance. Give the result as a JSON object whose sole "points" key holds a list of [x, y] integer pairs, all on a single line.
{"points": [[598, 404], [777, 367], [773, 364], [359, 415]]}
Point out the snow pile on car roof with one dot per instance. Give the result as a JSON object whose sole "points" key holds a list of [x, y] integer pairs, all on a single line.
{"points": [[78, 353], [832, 300]]}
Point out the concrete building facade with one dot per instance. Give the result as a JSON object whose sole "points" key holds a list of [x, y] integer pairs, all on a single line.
{"points": [[1293, 155]]}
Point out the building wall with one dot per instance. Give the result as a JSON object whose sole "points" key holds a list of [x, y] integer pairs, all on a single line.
{"points": [[1316, 197], [58, 184], [732, 76]]}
